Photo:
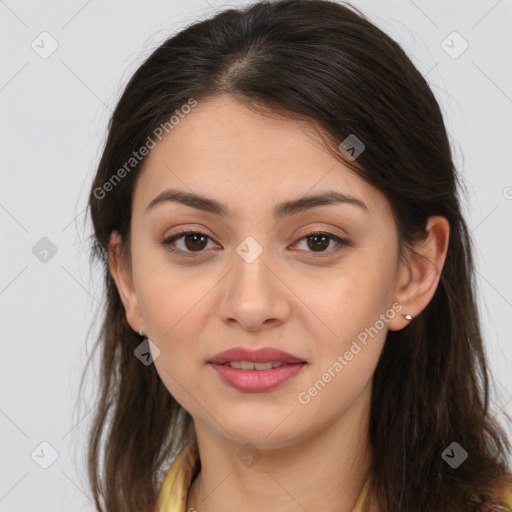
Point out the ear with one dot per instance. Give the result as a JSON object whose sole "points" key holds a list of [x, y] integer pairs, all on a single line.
{"points": [[418, 276], [123, 278]]}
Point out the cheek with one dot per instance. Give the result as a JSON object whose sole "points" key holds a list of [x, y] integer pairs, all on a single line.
{"points": [[170, 296], [348, 352], [176, 311], [353, 300]]}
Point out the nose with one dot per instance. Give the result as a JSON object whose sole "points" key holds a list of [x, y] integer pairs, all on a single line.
{"points": [[254, 296]]}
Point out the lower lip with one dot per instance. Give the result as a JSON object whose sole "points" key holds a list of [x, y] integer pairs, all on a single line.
{"points": [[255, 381]]}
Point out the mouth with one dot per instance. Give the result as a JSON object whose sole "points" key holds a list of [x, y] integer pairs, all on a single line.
{"points": [[252, 377], [253, 370], [251, 365]]}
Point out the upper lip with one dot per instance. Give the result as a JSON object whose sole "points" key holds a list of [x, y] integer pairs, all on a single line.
{"points": [[261, 355]]}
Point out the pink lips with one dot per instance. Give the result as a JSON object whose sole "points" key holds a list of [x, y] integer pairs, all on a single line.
{"points": [[262, 355], [256, 381]]}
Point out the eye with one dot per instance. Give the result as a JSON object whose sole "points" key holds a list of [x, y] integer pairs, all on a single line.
{"points": [[318, 241], [194, 241]]}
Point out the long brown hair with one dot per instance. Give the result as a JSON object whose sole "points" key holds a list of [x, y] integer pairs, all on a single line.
{"points": [[325, 62]]}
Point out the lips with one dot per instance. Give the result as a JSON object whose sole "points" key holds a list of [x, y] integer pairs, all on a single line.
{"points": [[262, 355], [257, 381]]}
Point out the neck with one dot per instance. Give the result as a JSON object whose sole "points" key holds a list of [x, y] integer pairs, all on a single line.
{"points": [[323, 471]]}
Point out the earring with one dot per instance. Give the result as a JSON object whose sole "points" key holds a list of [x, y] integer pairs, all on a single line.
{"points": [[408, 317], [140, 332]]}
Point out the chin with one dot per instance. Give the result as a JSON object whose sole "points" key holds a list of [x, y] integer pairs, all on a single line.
{"points": [[262, 432]]}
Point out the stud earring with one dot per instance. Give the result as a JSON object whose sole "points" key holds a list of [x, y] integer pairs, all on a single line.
{"points": [[408, 317], [140, 332]]}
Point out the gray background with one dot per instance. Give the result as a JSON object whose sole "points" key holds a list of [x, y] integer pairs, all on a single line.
{"points": [[54, 113]]}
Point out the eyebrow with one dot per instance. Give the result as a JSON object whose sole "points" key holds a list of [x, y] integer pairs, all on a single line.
{"points": [[281, 210]]}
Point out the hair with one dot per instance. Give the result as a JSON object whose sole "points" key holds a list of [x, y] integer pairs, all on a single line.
{"points": [[326, 63]]}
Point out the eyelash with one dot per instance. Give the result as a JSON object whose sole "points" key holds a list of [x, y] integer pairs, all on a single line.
{"points": [[187, 254]]}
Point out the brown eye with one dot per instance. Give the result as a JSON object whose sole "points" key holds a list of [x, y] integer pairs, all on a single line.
{"points": [[319, 241], [192, 242], [195, 241]]}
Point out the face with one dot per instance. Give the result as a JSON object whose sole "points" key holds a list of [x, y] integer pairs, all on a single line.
{"points": [[318, 283]]}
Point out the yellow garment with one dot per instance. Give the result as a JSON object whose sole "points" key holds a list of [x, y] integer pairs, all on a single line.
{"points": [[174, 489], [508, 498]]}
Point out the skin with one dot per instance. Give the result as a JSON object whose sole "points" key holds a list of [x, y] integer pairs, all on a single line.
{"points": [[290, 297]]}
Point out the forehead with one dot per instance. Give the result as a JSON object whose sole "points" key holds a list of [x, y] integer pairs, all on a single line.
{"points": [[224, 149]]}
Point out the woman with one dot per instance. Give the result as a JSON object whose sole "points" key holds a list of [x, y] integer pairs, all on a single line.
{"points": [[290, 305]]}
